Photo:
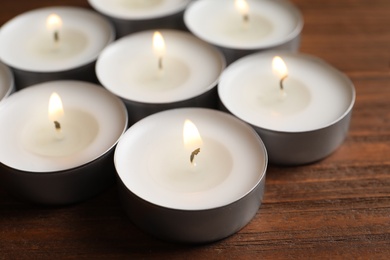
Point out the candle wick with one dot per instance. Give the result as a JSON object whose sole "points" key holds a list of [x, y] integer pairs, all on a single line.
{"points": [[193, 154], [281, 83], [160, 63], [56, 36], [57, 126], [245, 17]]}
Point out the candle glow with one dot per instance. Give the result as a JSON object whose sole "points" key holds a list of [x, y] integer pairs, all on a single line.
{"points": [[279, 68], [159, 47], [54, 23], [55, 110], [243, 8], [192, 139]]}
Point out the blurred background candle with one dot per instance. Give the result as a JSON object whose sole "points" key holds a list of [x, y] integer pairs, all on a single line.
{"points": [[174, 70], [241, 27], [7, 85], [57, 141], [300, 107], [129, 16], [191, 175], [54, 43]]}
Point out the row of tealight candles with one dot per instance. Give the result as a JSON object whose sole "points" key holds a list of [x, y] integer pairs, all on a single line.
{"points": [[187, 172]]}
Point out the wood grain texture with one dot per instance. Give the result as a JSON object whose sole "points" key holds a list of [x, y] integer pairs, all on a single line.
{"points": [[337, 208]]}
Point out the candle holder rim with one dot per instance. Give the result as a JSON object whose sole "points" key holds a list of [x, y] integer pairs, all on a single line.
{"points": [[112, 146], [259, 46], [128, 17], [262, 175], [311, 57], [62, 171], [90, 60]]}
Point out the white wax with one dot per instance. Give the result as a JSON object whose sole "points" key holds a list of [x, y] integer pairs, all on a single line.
{"points": [[90, 126], [6, 82], [270, 23], [315, 94], [152, 162], [138, 9], [129, 67], [78, 130], [173, 170], [26, 43]]}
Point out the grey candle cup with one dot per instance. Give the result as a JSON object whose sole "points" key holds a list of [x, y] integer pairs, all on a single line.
{"points": [[192, 226], [206, 220], [31, 71], [139, 110], [206, 95], [292, 148], [8, 80], [62, 187], [65, 181], [125, 27], [234, 54], [290, 42], [125, 24], [300, 148], [305, 147], [25, 79]]}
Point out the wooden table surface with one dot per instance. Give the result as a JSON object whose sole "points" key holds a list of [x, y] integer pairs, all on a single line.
{"points": [[336, 208]]}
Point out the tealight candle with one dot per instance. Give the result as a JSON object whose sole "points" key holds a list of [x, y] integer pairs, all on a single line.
{"points": [[6, 82], [154, 71], [302, 111], [54, 43], [241, 27], [57, 142], [191, 175], [129, 16]]}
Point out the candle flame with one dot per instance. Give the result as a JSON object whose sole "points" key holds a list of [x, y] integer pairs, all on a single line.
{"points": [[53, 22], [243, 8], [158, 44], [279, 67], [192, 139], [191, 136], [56, 110]]}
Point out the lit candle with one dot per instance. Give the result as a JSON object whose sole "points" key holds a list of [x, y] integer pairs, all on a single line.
{"points": [[56, 112], [159, 48], [178, 200], [301, 107], [137, 15], [243, 8], [280, 68], [177, 70], [241, 27], [54, 24], [54, 43], [192, 140], [57, 141], [6, 82]]}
